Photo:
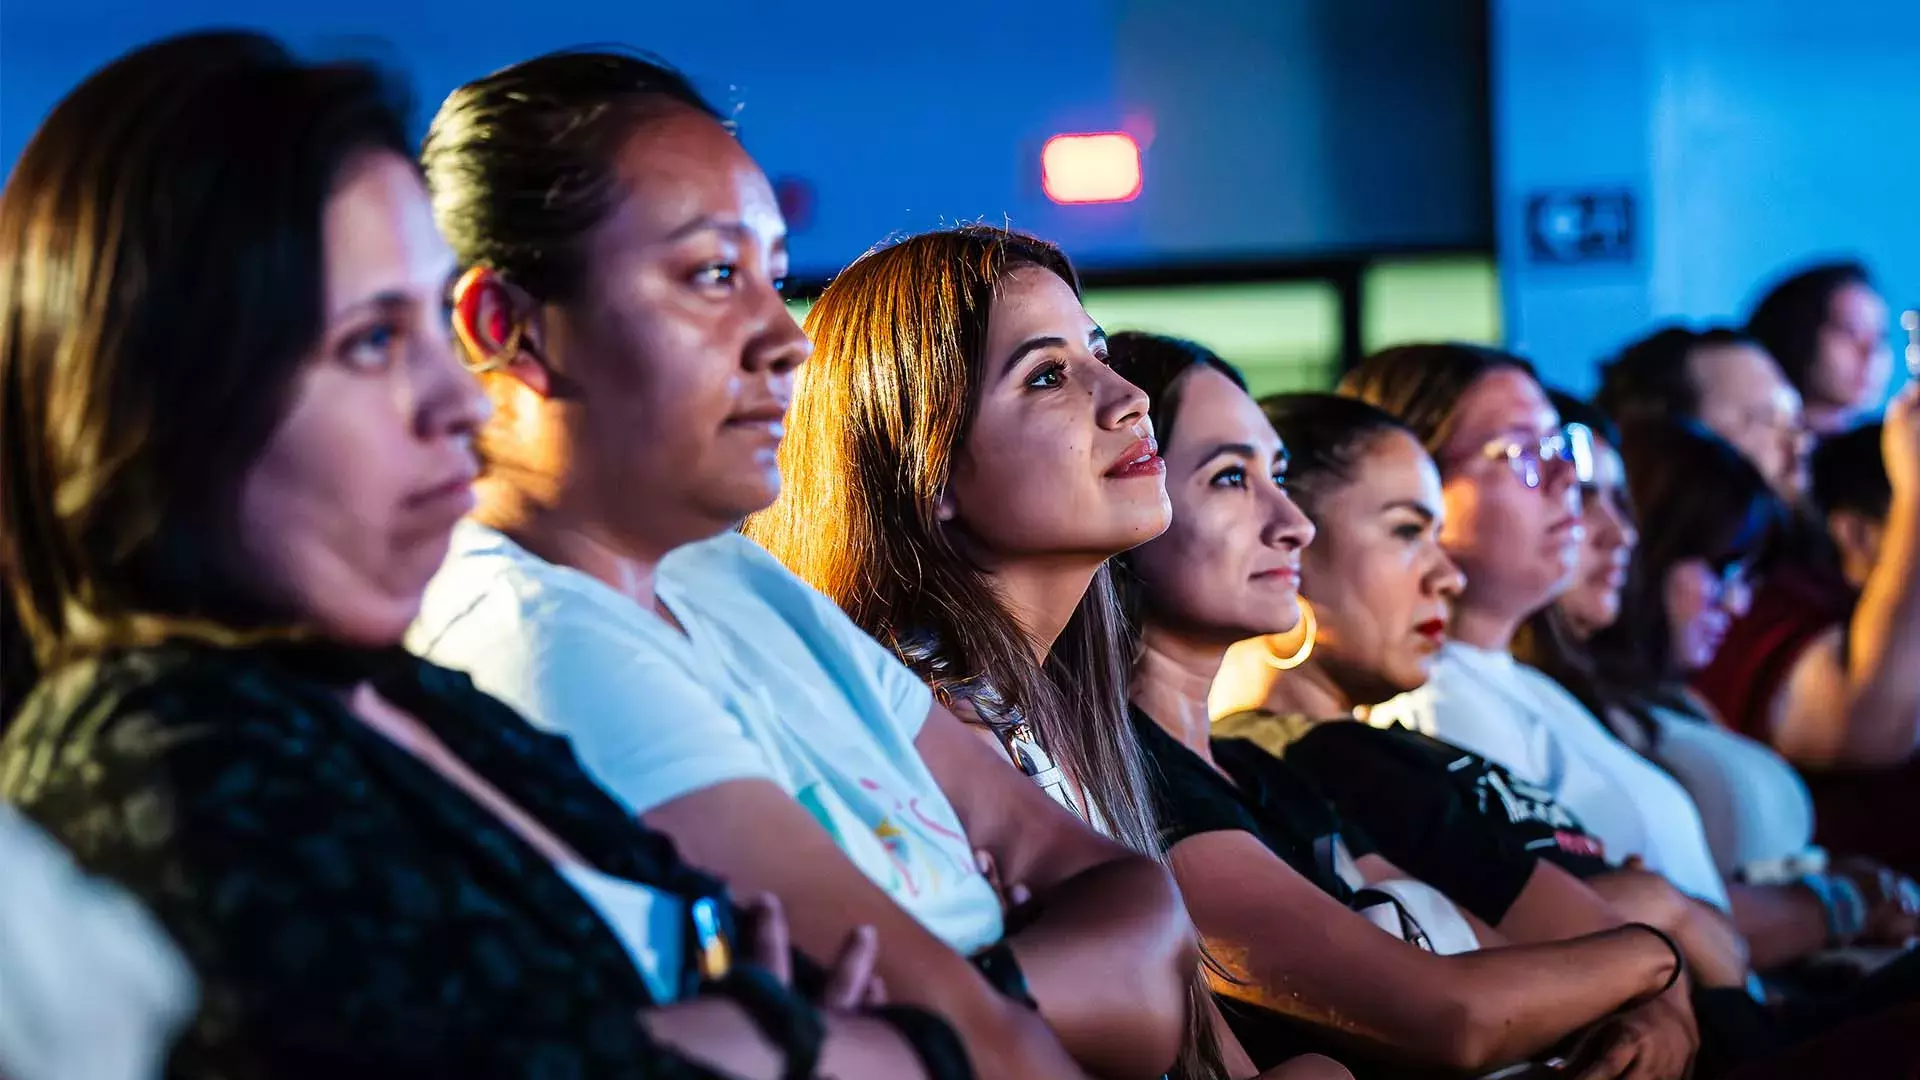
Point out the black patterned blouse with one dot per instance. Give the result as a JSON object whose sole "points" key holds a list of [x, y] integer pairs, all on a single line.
{"points": [[347, 911]]}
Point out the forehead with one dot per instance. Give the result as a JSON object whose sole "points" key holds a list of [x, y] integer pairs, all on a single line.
{"points": [[679, 166], [1742, 370], [1212, 410], [1032, 302], [379, 233], [1855, 304], [1394, 466], [1506, 400]]}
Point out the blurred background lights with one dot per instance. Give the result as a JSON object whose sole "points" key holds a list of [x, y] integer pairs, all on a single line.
{"points": [[1092, 168]]}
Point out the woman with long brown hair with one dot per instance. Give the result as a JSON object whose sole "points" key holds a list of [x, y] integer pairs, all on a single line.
{"points": [[960, 463]]}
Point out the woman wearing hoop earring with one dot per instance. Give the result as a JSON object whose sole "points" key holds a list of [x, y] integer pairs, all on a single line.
{"points": [[1290, 902]]}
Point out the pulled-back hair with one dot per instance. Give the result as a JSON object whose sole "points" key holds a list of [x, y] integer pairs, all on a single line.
{"points": [[522, 163], [1421, 385], [1651, 377], [162, 284], [1326, 435], [880, 414], [1158, 366]]}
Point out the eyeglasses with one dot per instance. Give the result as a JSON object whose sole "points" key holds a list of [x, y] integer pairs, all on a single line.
{"points": [[1529, 458]]}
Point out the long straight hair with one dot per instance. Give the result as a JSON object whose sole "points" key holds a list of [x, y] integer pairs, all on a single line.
{"points": [[878, 418]]}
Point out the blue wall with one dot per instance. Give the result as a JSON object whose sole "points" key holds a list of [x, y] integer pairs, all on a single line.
{"points": [[1754, 134], [1274, 128]]}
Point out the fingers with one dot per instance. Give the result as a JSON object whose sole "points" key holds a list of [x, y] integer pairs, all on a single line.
{"points": [[1019, 896], [984, 860], [1614, 1064], [847, 986], [767, 944], [876, 992]]}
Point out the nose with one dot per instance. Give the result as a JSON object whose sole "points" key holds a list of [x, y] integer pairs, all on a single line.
{"points": [[1122, 404], [1446, 580], [1621, 522], [448, 400], [778, 345], [1288, 527]]}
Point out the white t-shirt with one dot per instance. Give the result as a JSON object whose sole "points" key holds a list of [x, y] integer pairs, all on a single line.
{"points": [[1756, 809], [771, 681], [1488, 703]]}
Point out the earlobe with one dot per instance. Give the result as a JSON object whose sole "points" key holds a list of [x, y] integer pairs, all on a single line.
{"points": [[944, 509]]}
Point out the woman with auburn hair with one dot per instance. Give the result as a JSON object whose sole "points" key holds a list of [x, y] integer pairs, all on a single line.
{"points": [[960, 464]]}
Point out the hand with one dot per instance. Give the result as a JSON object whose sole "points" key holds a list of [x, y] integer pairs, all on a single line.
{"points": [[1900, 441], [851, 982], [1893, 901], [1653, 1042], [1012, 897]]}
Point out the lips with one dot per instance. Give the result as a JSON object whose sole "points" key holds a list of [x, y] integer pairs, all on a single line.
{"points": [[1285, 575], [1141, 458], [1434, 630]]}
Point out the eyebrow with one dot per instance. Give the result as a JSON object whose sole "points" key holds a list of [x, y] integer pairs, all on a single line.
{"points": [[732, 228], [1421, 510], [1235, 449]]}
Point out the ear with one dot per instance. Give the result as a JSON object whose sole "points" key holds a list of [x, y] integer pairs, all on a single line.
{"points": [[496, 325], [944, 509]]}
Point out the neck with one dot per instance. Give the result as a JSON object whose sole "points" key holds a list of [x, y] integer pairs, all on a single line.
{"points": [[1042, 597], [1309, 691], [1171, 680], [560, 533], [1483, 628]]}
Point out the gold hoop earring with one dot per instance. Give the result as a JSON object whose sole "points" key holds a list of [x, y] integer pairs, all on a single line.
{"points": [[502, 356], [1300, 655]]}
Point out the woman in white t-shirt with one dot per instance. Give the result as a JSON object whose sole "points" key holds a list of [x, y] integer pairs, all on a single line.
{"points": [[622, 303], [1510, 477]]}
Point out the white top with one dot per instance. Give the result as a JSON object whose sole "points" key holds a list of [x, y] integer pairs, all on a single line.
{"points": [[1756, 809], [1488, 703], [90, 987], [650, 924], [771, 681]]}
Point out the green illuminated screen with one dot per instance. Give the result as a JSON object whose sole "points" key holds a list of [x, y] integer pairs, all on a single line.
{"points": [[1285, 335]]}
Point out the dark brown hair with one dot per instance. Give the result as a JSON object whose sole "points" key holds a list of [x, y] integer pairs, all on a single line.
{"points": [[161, 284], [521, 163]]}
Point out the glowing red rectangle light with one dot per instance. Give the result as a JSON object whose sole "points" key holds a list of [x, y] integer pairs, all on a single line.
{"points": [[1093, 168]]}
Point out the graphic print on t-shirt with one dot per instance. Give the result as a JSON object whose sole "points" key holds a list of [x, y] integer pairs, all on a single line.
{"points": [[895, 833], [1528, 805]]}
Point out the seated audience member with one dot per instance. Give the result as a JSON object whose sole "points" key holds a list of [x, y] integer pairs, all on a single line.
{"points": [[89, 987], [1828, 328], [1501, 847], [238, 440], [1705, 512], [1821, 668], [622, 301], [961, 465], [1291, 901], [1510, 475], [1726, 381]]}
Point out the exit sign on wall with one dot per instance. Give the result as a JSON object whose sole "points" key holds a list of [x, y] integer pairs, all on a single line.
{"points": [[1574, 226]]}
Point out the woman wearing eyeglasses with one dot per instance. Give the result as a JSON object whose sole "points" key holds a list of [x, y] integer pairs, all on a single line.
{"points": [[1707, 512], [1510, 477]]}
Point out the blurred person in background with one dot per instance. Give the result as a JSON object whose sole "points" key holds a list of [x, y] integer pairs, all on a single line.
{"points": [[238, 439], [1828, 328], [1724, 379], [624, 256], [1703, 515]]}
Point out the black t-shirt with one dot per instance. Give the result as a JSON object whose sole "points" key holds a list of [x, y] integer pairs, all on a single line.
{"points": [[1272, 801], [1451, 818]]}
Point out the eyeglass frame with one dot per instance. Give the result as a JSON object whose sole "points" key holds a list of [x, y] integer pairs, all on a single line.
{"points": [[1571, 443]]}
